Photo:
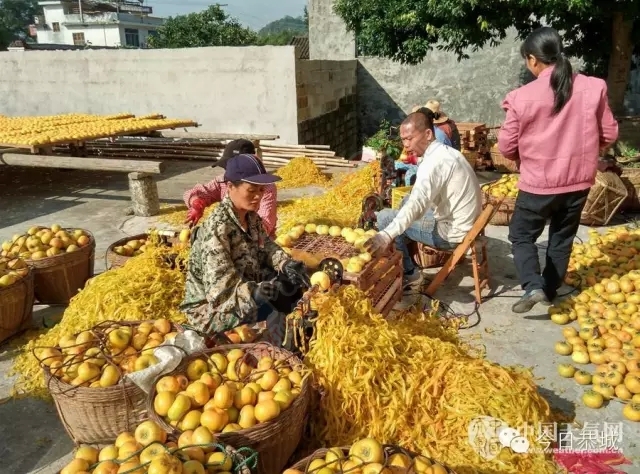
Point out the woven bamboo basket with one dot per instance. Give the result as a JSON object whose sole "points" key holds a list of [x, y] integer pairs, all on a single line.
{"points": [[500, 163], [604, 199], [95, 415], [57, 279], [472, 157], [114, 260], [631, 179], [16, 306], [505, 210], [276, 440], [389, 450], [425, 256]]}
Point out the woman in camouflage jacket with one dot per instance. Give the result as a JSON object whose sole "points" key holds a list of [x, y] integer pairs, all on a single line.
{"points": [[236, 273]]}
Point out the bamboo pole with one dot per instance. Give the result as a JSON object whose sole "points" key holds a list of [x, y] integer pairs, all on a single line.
{"points": [[81, 163]]}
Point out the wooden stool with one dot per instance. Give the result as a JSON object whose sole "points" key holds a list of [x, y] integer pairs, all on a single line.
{"points": [[480, 265]]}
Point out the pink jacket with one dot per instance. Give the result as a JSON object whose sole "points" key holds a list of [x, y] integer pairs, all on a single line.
{"points": [[216, 189], [558, 154]]}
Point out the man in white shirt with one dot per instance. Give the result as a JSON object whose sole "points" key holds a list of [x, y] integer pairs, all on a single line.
{"points": [[444, 202]]}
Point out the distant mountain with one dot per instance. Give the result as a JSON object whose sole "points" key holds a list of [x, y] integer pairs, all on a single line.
{"points": [[296, 26]]}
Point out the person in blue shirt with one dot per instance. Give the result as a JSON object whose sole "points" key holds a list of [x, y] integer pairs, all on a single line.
{"points": [[411, 169]]}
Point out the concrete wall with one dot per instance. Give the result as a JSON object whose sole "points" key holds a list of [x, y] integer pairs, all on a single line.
{"points": [[326, 102], [227, 90], [469, 91], [328, 37]]}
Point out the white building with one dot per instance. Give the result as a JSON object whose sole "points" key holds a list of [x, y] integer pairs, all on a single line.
{"points": [[95, 23]]}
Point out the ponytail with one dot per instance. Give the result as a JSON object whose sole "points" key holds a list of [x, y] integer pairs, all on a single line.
{"points": [[561, 83], [545, 44]]}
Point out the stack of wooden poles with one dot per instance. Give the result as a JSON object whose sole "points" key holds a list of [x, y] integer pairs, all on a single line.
{"points": [[273, 154]]}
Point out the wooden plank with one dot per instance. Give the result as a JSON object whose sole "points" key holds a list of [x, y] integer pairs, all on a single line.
{"points": [[218, 136], [82, 163]]}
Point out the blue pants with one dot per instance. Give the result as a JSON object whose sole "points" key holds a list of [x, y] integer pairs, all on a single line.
{"points": [[423, 230], [411, 171]]}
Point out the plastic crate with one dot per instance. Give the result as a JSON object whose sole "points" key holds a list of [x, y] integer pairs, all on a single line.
{"points": [[397, 194]]}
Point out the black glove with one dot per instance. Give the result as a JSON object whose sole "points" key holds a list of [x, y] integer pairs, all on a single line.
{"points": [[266, 291], [296, 272]]}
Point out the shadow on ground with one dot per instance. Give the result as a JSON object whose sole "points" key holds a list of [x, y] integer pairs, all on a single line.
{"points": [[30, 193]]}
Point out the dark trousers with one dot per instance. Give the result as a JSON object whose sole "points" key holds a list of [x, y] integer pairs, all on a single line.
{"points": [[529, 218]]}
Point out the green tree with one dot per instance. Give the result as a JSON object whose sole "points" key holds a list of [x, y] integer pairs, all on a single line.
{"points": [[15, 18], [287, 23], [305, 17], [211, 27], [602, 32]]}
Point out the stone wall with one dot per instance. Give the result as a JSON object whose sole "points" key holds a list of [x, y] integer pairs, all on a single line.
{"points": [[326, 103], [338, 128], [328, 36]]}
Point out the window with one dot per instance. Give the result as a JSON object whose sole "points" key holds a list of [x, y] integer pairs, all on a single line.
{"points": [[56, 26], [78, 39], [131, 37]]}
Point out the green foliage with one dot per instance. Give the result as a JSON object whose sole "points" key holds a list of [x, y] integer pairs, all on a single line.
{"points": [[405, 30], [287, 23], [382, 141], [282, 31], [15, 18], [211, 27]]}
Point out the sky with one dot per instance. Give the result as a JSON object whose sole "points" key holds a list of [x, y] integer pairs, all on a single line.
{"points": [[253, 13]]}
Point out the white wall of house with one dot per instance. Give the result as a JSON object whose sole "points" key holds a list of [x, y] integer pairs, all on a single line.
{"points": [[107, 29]]}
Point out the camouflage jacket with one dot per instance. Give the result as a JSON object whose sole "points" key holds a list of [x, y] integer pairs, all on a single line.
{"points": [[225, 265]]}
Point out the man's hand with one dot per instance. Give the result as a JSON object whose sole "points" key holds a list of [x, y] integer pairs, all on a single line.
{"points": [[266, 291], [378, 243], [296, 272], [196, 209]]}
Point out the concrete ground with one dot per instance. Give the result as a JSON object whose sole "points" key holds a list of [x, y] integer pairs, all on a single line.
{"points": [[32, 438]]}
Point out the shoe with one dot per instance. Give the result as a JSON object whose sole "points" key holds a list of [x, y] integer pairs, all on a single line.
{"points": [[412, 279], [529, 300]]}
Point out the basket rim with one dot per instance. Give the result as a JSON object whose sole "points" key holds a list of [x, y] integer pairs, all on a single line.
{"points": [[30, 274], [124, 240], [301, 399], [389, 449], [91, 244]]}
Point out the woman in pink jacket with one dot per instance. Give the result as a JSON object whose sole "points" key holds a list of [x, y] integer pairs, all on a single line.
{"points": [[554, 128]]}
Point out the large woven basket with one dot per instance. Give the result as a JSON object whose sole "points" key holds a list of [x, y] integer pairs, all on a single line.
{"points": [[59, 278], [604, 199], [631, 179], [97, 415], [93, 415], [276, 440], [16, 306], [425, 256], [505, 210], [389, 450]]}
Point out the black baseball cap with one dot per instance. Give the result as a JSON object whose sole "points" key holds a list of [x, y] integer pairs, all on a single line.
{"points": [[235, 148], [249, 169]]}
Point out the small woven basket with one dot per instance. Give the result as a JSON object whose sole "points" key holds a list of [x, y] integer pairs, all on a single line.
{"points": [[500, 163], [389, 450], [57, 279], [631, 179], [604, 199], [276, 440], [472, 157], [504, 213], [114, 260], [425, 256], [16, 306]]}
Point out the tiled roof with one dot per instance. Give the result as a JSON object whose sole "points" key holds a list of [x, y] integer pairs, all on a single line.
{"points": [[302, 46]]}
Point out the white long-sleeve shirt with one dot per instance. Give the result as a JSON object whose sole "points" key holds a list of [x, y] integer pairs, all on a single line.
{"points": [[446, 183]]}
